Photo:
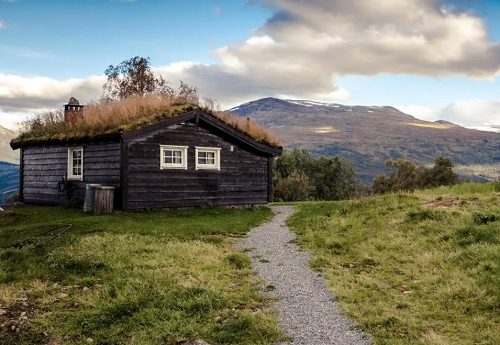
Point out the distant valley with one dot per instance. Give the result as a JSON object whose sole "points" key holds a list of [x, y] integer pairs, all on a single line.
{"points": [[368, 136], [9, 160]]}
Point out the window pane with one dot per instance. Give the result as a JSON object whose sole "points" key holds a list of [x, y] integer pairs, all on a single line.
{"points": [[210, 154], [177, 160], [77, 154], [177, 153], [211, 161], [201, 160], [168, 160], [202, 154]]}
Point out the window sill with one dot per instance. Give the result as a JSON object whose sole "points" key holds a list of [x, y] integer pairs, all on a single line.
{"points": [[74, 178], [169, 168], [207, 168]]}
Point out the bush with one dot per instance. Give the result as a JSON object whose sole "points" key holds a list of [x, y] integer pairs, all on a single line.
{"points": [[407, 176], [12, 199], [293, 188], [300, 176]]}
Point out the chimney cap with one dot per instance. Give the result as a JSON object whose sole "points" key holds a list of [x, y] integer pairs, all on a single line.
{"points": [[73, 101]]}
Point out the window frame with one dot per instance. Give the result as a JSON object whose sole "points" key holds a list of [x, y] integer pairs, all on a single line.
{"points": [[184, 157], [215, 150], [70, 175]]}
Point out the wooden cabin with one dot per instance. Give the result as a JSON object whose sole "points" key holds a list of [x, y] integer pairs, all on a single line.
{"points": [[191, 159]]}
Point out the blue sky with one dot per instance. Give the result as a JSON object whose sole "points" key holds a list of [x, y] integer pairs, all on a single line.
{"points": [[430, 58]]}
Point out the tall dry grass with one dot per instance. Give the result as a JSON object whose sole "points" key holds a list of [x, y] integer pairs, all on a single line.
{"points": [[125, 115]]}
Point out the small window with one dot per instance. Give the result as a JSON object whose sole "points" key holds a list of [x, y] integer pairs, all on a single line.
{"points": [[75, 163], [207, 158], [173, 157]]}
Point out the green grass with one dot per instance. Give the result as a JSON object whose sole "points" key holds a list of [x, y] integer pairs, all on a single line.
{"points": [[420, 268], [131, 278]]}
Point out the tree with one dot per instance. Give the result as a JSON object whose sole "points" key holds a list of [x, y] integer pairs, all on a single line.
{"points": [[134, 77], [441, 174], [323, 178], [406, 176]]}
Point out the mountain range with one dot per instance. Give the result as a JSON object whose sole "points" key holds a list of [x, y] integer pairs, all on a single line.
{"points": [[364, 136], [368, 136]]}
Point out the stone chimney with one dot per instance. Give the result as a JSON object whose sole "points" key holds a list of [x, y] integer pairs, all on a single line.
{"points": [[72, 111]]}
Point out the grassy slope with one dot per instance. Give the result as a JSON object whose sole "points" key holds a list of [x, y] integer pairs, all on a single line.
{"points": [[130, 278], [411, 274]]}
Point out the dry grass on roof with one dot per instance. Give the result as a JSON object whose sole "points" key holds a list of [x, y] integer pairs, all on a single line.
{"points": [[134, 112]]}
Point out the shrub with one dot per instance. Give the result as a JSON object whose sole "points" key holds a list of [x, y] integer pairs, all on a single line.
{"points": [[406, 176], [480, 218], [300, 176], [293, 188]]}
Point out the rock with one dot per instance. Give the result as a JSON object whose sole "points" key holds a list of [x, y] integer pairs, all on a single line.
{"points": [[86, 289], [89, 340], [23, 313], [62, 295], [191, 342], [407, 293]]}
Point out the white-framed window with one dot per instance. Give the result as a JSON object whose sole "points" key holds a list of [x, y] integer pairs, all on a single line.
{"points": [[173, 157], [75, 163], [207, 158]]}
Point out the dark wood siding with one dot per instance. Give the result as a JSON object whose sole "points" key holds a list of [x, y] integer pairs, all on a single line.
{"points": [[44, 166], [242, 179]]}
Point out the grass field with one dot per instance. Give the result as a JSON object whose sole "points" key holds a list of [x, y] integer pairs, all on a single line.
{"points": [[130, 278], [419, 268]]}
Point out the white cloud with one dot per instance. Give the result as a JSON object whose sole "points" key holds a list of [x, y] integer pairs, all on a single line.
{"points": [[11, 120], [25, 94], [474, 113], [304, 46]]}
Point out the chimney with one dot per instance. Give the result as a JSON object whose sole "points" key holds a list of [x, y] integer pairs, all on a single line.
{"points": [[72, 111]]}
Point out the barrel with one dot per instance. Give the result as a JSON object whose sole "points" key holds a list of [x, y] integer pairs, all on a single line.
{"points": [[104, 198], [88, 205]]}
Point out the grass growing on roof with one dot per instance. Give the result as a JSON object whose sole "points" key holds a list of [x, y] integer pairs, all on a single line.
{"points": [[420, 268], [120, 116], [130, 277]]}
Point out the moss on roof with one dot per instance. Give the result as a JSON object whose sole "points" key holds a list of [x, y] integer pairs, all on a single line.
{"points": [[122, 117]]}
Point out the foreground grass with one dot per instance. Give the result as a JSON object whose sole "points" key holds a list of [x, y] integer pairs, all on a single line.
{"points": [[412, 269], [130, 278]]}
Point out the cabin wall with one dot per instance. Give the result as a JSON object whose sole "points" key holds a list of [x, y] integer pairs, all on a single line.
{"points": [[44, 166], [242, 179]]}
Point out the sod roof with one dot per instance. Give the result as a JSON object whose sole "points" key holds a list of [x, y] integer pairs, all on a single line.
{"points": [[116, 118]]}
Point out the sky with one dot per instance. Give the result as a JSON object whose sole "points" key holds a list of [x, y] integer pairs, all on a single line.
{"points": [[434, 59]]}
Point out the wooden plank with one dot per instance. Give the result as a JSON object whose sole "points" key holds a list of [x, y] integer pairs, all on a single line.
{"points": [[102, 147], [125, 175], [46, 150], [21, 174], [270, 180], [95, 160], [180, 196], [195, 203]]}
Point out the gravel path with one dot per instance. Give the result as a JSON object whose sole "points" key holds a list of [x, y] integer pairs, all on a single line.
{"points": [[308, 312]]}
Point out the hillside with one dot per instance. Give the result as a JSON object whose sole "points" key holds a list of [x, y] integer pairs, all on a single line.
{"points": [[6, 153], [9, 178], [411, 269], [368, 136]]}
